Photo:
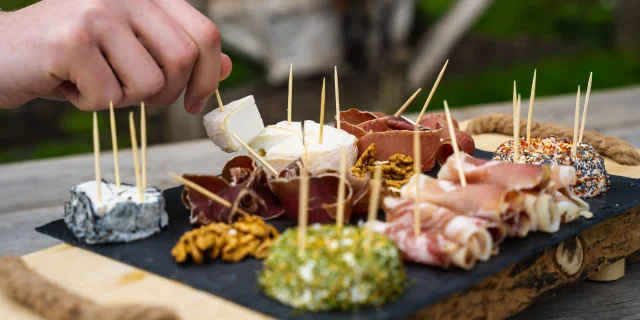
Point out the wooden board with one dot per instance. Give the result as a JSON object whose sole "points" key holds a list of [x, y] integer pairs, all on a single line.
{"points": [[109, 281]]}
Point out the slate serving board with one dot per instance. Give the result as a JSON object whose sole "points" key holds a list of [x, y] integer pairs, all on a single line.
{"points": [[237, 281]]}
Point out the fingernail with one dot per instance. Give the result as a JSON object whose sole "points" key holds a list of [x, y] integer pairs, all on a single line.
{"points": [[198, 106]]}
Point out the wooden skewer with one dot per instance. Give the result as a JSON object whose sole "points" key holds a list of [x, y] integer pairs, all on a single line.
{"points": [[417, 161], [435, 86], [516, 132], [337, 98], [531, 98], [290, 91], [341, 188], [574, 148], [219, 101], [114, 143], [96, 156], [406, 104], [586, 104], [454, 144], [303, 204], [375, 193], [134, 148], [203, 191], [322, 99], [143, 143], [255, 154]]}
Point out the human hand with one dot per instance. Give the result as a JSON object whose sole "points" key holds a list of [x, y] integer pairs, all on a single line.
{"points": [[91, 52]]}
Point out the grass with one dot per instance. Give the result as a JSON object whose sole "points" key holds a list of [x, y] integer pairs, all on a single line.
{"points": [[555, 76]]}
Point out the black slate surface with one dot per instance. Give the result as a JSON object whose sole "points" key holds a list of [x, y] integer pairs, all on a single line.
{"points": [[237, 281]]}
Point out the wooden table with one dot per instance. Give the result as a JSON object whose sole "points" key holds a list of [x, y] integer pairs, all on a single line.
{"points": [[33, 193]]}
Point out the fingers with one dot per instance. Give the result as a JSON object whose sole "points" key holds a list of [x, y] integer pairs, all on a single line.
{"points": [[92, 82], [225, 67], [208, 69], [139, 74], [171, 47]]}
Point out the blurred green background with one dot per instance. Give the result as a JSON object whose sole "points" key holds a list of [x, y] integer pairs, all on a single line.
{"points": [[575, 37]]}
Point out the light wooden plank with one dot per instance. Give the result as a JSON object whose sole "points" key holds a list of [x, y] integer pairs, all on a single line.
{"points": [[107, 281]]}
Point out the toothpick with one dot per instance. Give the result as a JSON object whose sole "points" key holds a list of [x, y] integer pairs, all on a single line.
{"points": [[219, 101], [417, 170], [574, 148], [194, 186], [375, 193], [406, 104], [143, 143], [96, 156], [337, 99], [322, 109], [290, 91], [454, 144], [134, 148], [586, 104], [435, 86], [516, 131], [254, 154], [114, 143], [341, 188], [303, 204], [531, 98]]}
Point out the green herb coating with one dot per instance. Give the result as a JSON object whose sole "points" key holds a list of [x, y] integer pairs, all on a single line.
{"points": [[358, 269]]}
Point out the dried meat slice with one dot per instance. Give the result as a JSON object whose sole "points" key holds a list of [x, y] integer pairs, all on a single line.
{"points": [[197, 203], [240, 197], [323, 197], [390, 143], [430, 248], [237, 170], [465, 143]]}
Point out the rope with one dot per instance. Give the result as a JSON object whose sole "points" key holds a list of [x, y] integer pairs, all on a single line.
{"points": [[618, 150]]}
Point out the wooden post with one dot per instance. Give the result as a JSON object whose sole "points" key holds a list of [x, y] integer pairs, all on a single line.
{"points": [[627, 24]]}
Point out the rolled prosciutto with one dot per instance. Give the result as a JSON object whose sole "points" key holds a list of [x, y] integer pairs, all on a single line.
{"points": [[514, 176], [479, 235], [487, 201], [430, 248]]}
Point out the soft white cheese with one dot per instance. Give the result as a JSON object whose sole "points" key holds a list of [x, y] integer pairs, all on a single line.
{"points": [[281, 144], [112, 195], [240, 117]]}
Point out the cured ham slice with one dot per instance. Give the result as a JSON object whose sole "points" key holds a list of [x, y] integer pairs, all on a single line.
{"points": [[479, 235], [487, 201], [543, 211], [571, 206], [510, 175], [431, 248]]}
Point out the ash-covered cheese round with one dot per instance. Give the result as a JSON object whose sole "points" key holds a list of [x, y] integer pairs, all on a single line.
{"points": [[337, 272], [118, 217], [591, 175]]}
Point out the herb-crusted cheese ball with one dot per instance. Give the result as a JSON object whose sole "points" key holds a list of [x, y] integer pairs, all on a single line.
{"points": [[346, 272], [591, 175]]}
